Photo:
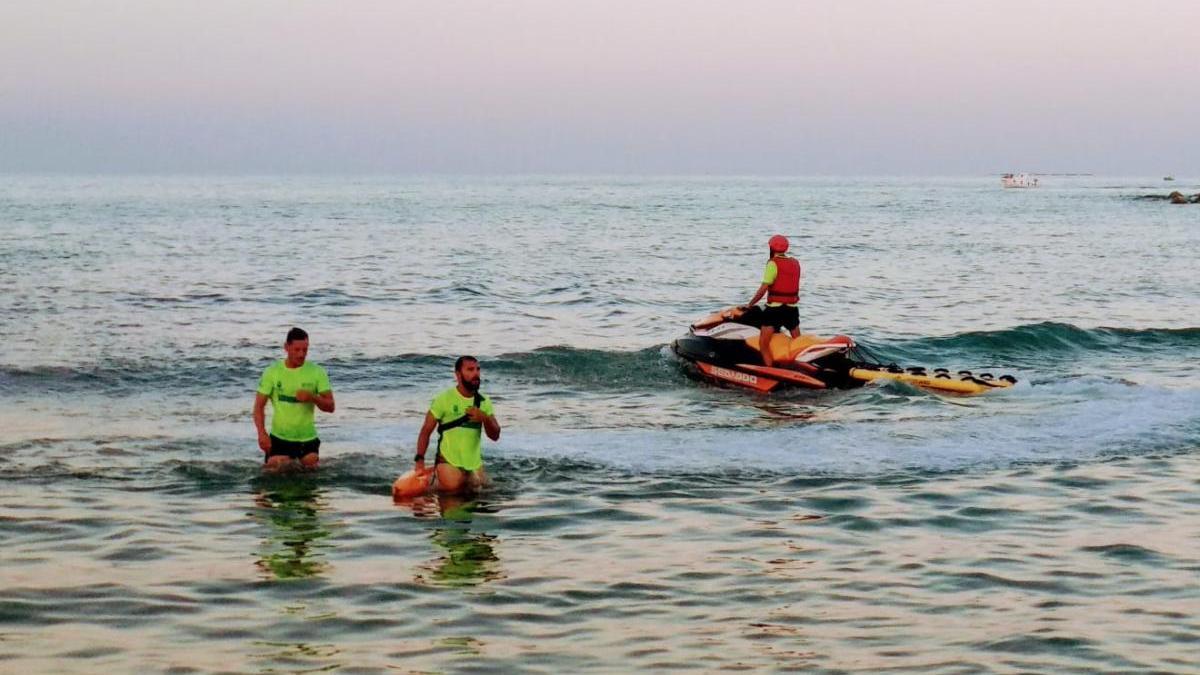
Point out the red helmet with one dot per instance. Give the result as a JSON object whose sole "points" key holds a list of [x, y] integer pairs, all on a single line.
{"points": [[778, 243]]}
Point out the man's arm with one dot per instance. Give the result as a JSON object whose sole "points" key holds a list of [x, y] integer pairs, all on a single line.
{"points": [[423, 439], [769, 275], [757, 295], [490, 425], [324, 402], [260, 421]]}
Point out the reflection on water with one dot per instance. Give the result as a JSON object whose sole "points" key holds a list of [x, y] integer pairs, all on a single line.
{"points": [[467, 558], [291, 506], [785, 410], [468, 646], [297, 654]]}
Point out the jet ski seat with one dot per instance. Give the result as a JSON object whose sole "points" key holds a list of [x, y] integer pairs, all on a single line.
{"points": [[785, 348]]}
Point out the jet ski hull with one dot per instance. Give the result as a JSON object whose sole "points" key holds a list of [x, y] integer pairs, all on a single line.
{"points": [[739, 377]]}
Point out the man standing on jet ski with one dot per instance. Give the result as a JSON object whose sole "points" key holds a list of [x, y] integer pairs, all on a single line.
{"points": [[781, 284]]}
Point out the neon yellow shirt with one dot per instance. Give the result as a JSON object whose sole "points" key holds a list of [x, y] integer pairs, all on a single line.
{"points": [[292, 420], [769, 276], [461, 446]]}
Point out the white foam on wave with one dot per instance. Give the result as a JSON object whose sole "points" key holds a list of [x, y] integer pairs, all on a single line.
{"points": [[1073, 420]]}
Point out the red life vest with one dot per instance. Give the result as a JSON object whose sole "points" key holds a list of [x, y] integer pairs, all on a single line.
{"points": [[786, 288]]}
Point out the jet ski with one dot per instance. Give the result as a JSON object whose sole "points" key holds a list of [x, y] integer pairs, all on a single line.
{"points": [[724, 347]]}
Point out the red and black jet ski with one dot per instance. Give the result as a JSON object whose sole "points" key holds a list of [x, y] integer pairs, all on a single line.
{"points": [[725, 347]]}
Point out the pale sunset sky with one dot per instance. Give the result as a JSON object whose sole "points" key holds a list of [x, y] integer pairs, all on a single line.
{"points": [[835, 87]]}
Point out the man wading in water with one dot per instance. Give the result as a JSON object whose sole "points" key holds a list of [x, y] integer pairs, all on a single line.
{"points": [[294, 387], [460, 414]]}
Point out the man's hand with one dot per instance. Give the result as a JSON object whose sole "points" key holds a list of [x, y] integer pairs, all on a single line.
{"points": [[476, 415], [324, 402], [264, 441]]}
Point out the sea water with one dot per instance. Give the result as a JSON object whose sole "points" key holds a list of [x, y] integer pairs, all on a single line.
{"points": [[640, 519]]}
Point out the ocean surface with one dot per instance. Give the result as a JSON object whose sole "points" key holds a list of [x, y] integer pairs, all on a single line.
{"points": [[640, 519]]}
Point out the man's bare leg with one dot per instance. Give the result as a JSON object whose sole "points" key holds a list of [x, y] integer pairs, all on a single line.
{"points": [[278, 463], [477, 480], [453, 479], [764, 344]]}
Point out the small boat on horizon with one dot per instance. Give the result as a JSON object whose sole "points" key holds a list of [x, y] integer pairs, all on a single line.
{"points": [[1018, 180]]}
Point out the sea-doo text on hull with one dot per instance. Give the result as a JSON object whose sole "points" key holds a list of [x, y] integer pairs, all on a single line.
{"points": [[725, 347]]}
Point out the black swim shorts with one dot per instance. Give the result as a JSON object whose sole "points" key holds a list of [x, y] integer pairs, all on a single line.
{"points": [[439, 459], [786, 317], [293, 449]]}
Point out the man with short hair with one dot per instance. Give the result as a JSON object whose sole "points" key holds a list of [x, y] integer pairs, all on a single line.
{"points": [[781, 285], [460, 414], [294, 386]]}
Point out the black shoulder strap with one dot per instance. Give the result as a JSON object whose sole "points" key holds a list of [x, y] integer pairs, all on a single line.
{"points": [[459, 421]]}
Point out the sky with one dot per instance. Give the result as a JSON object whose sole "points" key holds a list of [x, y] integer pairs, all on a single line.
{"points": [[739, 87]]}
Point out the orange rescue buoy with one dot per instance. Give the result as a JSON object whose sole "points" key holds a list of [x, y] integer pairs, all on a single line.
{"points": [[412, 484]]}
